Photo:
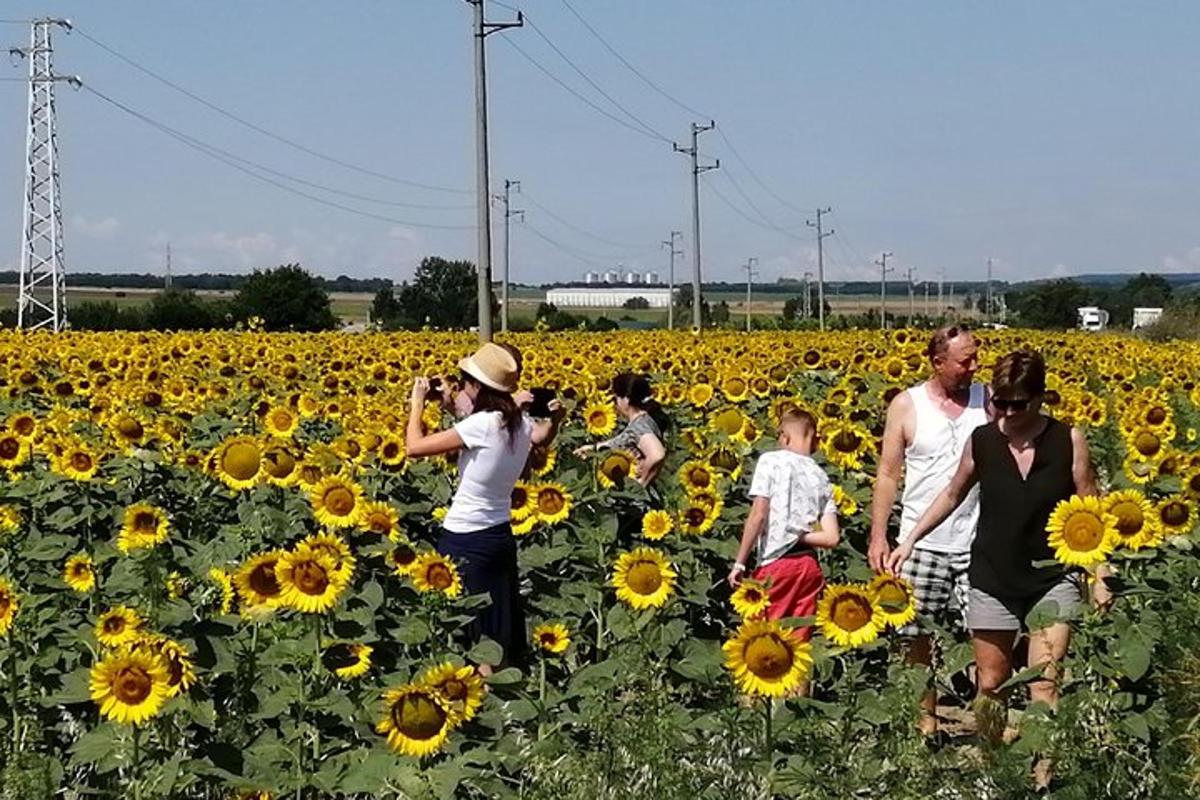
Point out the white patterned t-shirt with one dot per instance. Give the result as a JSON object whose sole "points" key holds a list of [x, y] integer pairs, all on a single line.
{"points": [[800, 493]]}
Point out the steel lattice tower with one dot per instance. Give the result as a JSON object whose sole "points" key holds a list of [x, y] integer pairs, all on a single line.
{"points": [[41, 302]]}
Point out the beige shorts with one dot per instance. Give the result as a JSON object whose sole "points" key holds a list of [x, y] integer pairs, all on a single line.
{"points": [[986, 612]]}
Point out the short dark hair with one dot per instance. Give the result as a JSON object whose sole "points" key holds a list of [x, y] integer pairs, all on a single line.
{"points": [[939, 342], [795, 415], [634, 388], [1023, 371]]}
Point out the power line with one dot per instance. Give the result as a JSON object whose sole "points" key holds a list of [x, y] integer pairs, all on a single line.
{"points": [[632, 68], [532, 201], [575, 93], [561, 247], [233, 161], [750, 170], [766, 220], [259, 129]]}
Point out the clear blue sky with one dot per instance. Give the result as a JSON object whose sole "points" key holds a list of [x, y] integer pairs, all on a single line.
{"points": [[1057, 138]]}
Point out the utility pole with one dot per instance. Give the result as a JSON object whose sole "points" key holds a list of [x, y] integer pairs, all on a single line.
{"points": [[807, 296], [912, 309], [941, 302], [42, 297], [884, 269], [670, 245], [508, 214], [987, 309], [697, 169], [820, 263], [750, 273], [926, 298], [483, 216], [167, 277]]}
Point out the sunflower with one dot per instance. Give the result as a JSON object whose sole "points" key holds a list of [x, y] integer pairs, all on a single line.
{"points": [[1081, 532], [77, 462], [524, 502], [143, 526], [893, 599], [225, 584], [1191, 483], [337, 549], [118, 626], [656, 524], [615, 468], [347, 659], [391, 451], [237, 462], [1137, 524], [181, 674], [847, 616], [460, 688], [699, 394], [726, 461], [696, 476], [415, 719], [553, 503], [10, 518], [9, 603], [847, 506], [403, 558], [434, 572], [281, 421], [13, 451], [24, 425], [767, 659], [256, 583], [643, 578], [337, 502], [1176, 515], [600, 418], [552, 637], [79, 573], [698, 517], [280, 466], [735, 388], [750, 599], [381, 518], [130, 686], [310, 579], [525, 526], [845, 443], [729, 421]]}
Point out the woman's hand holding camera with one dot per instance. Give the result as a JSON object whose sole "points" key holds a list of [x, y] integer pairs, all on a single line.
{"points": [[419, 390]]}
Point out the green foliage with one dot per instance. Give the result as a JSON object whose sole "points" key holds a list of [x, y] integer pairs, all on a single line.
{"points": [[442, 295], [636, 302], [286, 298], [1050, 304]]}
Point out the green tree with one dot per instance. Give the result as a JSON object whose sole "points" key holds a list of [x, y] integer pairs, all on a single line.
{"points": [[1050, 304], [442, 294], [1141, 291], [105, 315], [181, 310], [636, 303], [384, 307], [285, 298]]}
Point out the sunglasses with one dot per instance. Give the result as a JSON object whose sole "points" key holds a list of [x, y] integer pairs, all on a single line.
{"points": [[1011, 405]]}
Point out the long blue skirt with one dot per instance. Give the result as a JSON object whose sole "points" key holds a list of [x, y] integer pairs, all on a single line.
{"points": [[487, 562]]}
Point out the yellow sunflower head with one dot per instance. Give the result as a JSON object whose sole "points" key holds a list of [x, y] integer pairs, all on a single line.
{"points": [[615, 468], [461, 689], [79, 573], [1137, 524], [767, 659], [237, 462], [143, 526], [381, 518], [552, 637], [9, 603], [643, 578], [893, 599], [347, 660], [600, 418], [1081, 532], [130, 686], [415, 720], [847, 616], [553, 503], [1177, 514], [434, 572], [181, 673], [256, 583], [524, 501], [751, 599], [337, 502], [656, 524], [310, 580]]}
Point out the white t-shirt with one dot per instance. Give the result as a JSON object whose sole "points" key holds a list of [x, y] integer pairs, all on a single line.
{"points": [[489, 465], [800, 494]]}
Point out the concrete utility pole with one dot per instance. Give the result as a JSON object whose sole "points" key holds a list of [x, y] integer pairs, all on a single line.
{"points": [[941, 302], [483, 216], [41, 296], [912, 309], [987, 309], [750, 273], [167, 276], [807, 296], [670, 245], [697, 169], [820, 263], [926, 283], [508, 214], [884, 269]]}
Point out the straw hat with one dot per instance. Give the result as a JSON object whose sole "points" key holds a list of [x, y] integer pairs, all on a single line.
{"points": [[493, 366]]}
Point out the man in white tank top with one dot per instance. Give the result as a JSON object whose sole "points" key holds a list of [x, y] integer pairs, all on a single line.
{"points": [[927, 428]]}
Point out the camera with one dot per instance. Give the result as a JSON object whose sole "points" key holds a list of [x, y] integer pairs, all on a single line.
{"points": [[540, 407], [435, 388]]}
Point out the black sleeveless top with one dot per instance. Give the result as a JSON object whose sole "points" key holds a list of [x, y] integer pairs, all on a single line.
{"points": [[1013, 512]]}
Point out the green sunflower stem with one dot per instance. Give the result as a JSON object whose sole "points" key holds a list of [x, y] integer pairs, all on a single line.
{"points": [[316, 729], [135, 776], [14, 688], [600, 563], [768, 737], [541, 697]]}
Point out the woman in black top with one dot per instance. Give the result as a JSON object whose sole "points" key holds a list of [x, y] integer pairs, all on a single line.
{"points": [[641, 434], [1025, 463]]}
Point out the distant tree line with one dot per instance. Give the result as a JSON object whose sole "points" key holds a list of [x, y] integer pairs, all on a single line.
{"points": [[1052, 304], [203, 281]]}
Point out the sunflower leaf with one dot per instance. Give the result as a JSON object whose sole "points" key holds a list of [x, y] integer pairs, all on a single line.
{"points": [[486, 652]]}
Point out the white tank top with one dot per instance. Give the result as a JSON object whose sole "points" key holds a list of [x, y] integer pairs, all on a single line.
{"points": [[929, 464]]}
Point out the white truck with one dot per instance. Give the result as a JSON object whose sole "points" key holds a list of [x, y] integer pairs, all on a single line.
{"points": [[1144, 316], [1092, 318]]}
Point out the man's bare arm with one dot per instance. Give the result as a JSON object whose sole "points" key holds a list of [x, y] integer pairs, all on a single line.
{"points": [[887, 480]]}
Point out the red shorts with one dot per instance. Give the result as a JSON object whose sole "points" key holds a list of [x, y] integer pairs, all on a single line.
{"points": [[795, 584]]}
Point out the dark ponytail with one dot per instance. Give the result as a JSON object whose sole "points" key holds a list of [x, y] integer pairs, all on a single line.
{"points": [[636, 389]]}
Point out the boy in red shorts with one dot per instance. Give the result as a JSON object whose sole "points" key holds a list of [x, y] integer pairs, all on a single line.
{"points": [[793, 512]]}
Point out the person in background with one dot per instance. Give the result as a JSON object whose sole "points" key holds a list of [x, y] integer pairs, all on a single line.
{"points": [[642, 433], [793, 512], [926, 430], [493, 442]]}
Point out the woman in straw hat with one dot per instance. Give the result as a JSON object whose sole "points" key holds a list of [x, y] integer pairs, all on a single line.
{"points": [[493, 443]]}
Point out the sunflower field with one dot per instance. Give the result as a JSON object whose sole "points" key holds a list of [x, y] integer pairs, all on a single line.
{"points": [[217, 579]]}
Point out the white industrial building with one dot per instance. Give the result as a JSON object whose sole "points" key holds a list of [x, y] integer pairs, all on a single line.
{"points": [[607, 296]]}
